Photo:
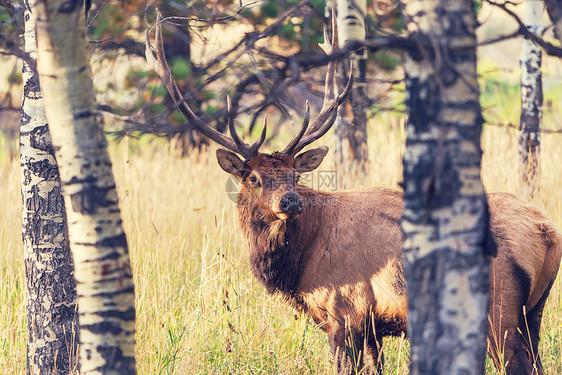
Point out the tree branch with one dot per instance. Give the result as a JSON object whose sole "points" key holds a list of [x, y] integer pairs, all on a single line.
{"points": [[549, 48]]}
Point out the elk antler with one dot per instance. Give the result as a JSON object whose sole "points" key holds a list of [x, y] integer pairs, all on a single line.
{"points": [[243, 147], [160, 66], [328, 113]]}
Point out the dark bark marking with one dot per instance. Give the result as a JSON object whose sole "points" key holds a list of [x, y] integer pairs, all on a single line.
{"points": [[39, 137], [69, 6], [39, 229], [424, 103], [128, 290], [103, 327], [85, 180], [83, 114], [114, 355], [26, 177], [441, 187], [455, 26], [91, 198], [530, 68], [107, 280], [31, 88], [115, 241], [110, 256], [25, 119], [42, 230], [126, 315], [422, 40], [43, 169]]}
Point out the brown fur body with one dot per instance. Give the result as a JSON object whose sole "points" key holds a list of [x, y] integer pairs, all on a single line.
{"points": [[341, 261]]}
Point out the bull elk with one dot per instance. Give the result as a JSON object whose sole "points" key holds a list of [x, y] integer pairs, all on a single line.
{"points": [[338, 256]]}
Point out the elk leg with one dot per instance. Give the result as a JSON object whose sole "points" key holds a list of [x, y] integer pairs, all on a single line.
{"points": [[375, 353], [336, 337], [534, 318], [347, 349], [517, 355], [507, 346], [510, 291]]}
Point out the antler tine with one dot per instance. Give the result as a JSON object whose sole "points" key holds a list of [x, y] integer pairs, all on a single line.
{"points": [[243, 148], [160, 66], [328, 49], [326, 117], [326, 45], [257, 144], [306, 140], [240, 144], [328, 113], [289, 149]]}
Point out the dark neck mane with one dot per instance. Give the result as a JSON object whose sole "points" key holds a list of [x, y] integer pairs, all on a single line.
{"points": [[276, 246]]}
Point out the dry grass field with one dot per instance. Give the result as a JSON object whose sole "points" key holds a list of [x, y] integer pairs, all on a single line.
{"points": [[199, 308]]}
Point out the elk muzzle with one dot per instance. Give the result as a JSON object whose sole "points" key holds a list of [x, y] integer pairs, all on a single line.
{"points": [[289, 206]]}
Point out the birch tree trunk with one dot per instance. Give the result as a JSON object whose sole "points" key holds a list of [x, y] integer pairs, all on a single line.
{"points": [[445, 209], [352, 152], [99, 246], [52, 320], [531, 101], [554, 9]]}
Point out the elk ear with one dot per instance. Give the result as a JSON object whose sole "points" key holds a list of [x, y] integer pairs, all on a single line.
{"points": [[311, 159], [230, 162]]}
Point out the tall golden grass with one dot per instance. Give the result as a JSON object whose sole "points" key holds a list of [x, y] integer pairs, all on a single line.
{"points": [[199, 309]]}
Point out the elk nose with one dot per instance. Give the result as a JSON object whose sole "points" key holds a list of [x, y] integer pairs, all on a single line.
{"points": [[291, 202]]}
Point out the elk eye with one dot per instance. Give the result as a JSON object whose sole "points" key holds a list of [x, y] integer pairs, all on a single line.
{"points": [[253, 180], [298, 178]]}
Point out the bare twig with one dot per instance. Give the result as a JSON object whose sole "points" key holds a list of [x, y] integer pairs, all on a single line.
{"points": [[546, 46], [10, 48], [279, 74], [111, 37], [97, 14], [500, 38], [209, 20]]}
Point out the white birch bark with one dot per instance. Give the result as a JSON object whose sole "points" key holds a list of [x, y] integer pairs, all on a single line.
{"points": [[99, 246], [531, 100], [352, 151], [445, 216], [52, 320]]}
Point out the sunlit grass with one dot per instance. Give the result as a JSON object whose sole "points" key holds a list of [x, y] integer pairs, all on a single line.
{"points": [[13, 325], [199, 309]]}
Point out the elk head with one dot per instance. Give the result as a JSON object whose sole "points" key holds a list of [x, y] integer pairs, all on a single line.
{"points": [[271, 178]]}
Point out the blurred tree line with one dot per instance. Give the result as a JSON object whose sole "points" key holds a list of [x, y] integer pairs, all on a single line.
{"points": [[264, 67]]}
